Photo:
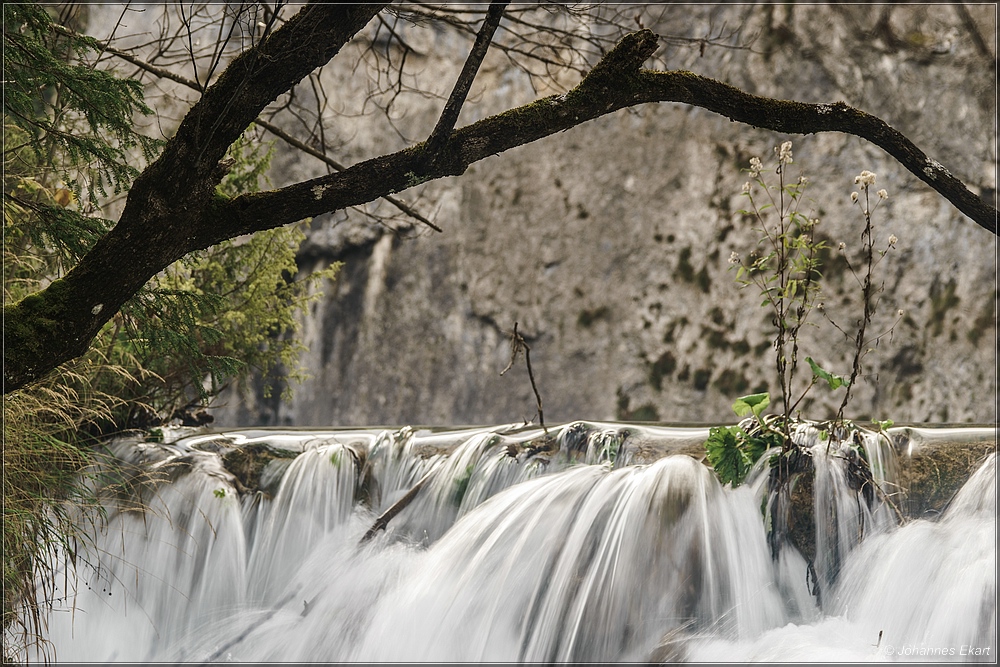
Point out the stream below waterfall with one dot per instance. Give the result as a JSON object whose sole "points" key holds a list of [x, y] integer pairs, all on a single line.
{"points": [[590, 542]]}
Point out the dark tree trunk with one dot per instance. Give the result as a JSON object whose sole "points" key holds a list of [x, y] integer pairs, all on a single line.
{"points": [[172, 208]]}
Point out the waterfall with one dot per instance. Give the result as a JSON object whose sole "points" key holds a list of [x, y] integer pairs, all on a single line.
{"points": [[586, 542]]}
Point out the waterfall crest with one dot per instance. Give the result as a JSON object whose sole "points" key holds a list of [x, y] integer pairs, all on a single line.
{"points": [[586, 542]]}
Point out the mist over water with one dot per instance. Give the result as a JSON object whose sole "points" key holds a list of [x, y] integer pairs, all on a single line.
{"points": [[590, 543]]}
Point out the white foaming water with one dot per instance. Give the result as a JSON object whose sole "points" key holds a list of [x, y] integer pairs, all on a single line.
{"points": [[159, 573], [315, 498], [514, 552], [925, 591]]}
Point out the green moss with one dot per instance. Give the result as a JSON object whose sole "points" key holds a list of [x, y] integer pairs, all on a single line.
{"points": [[32, 324], [943, 299], [588, 317], [662, 367], [684, 270], [716, 339], [246, 463], [461, 485], [933, 473], [731, 383]]}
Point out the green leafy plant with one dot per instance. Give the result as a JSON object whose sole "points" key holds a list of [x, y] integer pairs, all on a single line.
{"points": [[66, 112], [754, 403], [217, 315], [869, 291], [732, 451], [786, 270]]}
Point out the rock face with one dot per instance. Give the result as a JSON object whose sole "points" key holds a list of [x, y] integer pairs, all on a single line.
{"points": [[609, 244]]}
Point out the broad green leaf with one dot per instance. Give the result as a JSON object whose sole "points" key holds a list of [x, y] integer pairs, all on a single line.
{"points": [[725, 455], [754, 403], [834, 381]]}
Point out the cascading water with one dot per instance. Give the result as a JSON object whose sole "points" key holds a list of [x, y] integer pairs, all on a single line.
{"points": [[588, 542]]}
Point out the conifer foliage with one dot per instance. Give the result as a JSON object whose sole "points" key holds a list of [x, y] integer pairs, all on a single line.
{"points": [[204, 322]]}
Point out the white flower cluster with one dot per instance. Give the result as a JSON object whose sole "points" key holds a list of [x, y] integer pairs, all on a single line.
{"points": [[893, 240], [746, 188], [865, 178], [755, 167], [734, 258], [882, 194], [784, 153]]}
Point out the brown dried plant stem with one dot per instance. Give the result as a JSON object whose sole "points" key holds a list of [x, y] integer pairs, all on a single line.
{"points": [[869, 306], [517, 344]]}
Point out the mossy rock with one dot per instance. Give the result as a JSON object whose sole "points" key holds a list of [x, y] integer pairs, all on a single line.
{"points": [[932, 473], [247, 464]]}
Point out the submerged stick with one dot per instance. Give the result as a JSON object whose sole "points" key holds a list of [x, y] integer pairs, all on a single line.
{"points": [[397, 507], [222, 650]]}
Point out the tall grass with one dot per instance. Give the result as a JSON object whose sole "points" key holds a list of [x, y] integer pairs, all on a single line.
{"points": [[50, 505]]}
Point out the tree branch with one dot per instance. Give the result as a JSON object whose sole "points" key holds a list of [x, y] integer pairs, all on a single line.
{"points": [[306, 148], [615, 83], [383, 520], [517, 344], [173, 200], [273, 129], [172, 210], [453, 107]]}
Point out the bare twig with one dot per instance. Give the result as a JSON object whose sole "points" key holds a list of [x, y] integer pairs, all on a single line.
{"points": [[305, 148], [453, 107], [270, 127], [517, 344]]}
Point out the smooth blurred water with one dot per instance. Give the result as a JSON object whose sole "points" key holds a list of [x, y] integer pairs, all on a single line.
{"points": [[574, 545]]}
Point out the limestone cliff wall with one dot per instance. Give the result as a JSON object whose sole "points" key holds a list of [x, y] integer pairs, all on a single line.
{"points": [[609, 243]]}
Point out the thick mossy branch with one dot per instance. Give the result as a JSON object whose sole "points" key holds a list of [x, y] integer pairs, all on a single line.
{"points": [[171, 211], [615, 83], [171, 208]]}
